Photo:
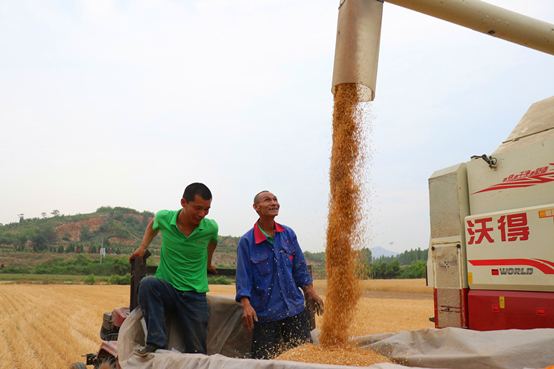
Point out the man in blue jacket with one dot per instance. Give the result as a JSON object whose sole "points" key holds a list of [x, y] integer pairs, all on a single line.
{"points": [[271, 270]]}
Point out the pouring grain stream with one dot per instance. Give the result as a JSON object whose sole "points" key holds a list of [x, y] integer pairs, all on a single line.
{"points": [[344, 235], [344, 220]]}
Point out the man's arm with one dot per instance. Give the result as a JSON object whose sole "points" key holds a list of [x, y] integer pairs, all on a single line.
{"points": [[243, 282], [211, 248], [303, 277], [149, 235]]}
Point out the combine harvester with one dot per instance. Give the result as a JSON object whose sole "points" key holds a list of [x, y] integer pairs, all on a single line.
{"points": [[491, 254]]}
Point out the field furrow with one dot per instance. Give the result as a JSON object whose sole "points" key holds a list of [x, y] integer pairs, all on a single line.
{"points": [[23, 356], [7, 359], [51, 334], [8, 304], [52, 326], [41, 351]]}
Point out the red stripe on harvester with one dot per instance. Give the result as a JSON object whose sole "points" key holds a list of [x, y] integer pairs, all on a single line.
{"points": [[543, 268], [521, 182], [546, 262]]}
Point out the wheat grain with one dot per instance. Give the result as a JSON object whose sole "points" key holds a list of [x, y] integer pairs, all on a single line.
{"points": [[335, 355], [345, 204]]}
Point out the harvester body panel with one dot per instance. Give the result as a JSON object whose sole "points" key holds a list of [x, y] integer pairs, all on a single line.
{"points": [[498, 211]]}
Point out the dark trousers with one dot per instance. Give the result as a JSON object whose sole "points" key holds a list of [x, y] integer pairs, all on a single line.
{"points": [[157, 297], [293, 331]]}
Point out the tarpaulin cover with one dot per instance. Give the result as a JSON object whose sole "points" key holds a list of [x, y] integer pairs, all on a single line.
{"points": [[455, 348]]}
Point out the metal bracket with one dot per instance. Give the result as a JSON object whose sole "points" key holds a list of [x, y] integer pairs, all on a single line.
{"points": [[491, 161]]}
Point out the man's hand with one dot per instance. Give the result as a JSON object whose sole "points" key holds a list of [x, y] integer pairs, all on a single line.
{"points": [[318, 304], [309, 293], [248, 314], [211, 269], [138, 253]]}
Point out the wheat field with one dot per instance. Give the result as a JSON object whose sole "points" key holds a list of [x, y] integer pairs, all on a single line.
{"points": [[52, 326]]}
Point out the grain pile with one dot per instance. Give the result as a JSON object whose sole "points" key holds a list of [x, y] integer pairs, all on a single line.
{"points": [[337, 355], [345, 205]]}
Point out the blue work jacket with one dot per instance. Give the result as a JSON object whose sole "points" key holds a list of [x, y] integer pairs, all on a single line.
{"points": [[271, 275]]}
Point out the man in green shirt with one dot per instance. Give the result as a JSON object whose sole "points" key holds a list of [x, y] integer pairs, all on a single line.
{"points": [[180, 285]]}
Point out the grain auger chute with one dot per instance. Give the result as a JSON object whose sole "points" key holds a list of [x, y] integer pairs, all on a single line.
{"points": [[359, 33]]}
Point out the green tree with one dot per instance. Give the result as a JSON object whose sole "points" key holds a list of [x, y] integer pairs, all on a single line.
{"points": [[51, 235], [121, 266], [393, 269], [132, 221], [378, 270], [415, 270], [116, 279], [104, 209], [40, 241], [20, 243], [90, 279], [85, 233]]}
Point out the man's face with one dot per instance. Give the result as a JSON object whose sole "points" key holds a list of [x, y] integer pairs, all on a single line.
{"points": [[267, 204], [197, 209]]}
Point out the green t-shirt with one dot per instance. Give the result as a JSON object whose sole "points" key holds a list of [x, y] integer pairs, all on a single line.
{"points": [[184, 260]]}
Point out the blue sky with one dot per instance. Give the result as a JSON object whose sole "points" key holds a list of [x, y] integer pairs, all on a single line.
{"points": [[124, 103]]}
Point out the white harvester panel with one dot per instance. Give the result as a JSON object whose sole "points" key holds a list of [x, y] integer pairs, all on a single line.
{"points": [[523, 177], [511, 250], [450, 296]]}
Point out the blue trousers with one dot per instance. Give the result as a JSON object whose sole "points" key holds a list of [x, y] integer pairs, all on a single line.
{"points": [[294, 331], [157, 297]]}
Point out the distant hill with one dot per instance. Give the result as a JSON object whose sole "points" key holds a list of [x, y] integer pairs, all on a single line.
{"points": [[119, 230], [377, 252]]}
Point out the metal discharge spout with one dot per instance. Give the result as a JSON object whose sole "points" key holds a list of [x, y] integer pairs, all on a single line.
{"points": [[357, 47], [359, 32]]}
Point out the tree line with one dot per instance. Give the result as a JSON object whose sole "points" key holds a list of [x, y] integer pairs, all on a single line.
{"points": [[405, 258], [81, 265], [407, 265]]}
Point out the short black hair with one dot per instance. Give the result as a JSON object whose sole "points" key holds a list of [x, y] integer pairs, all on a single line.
{"points": [[199, 189], [258, 194]]}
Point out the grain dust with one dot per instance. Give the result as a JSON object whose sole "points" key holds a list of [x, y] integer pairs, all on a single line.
{"points": [[345, 216]]}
